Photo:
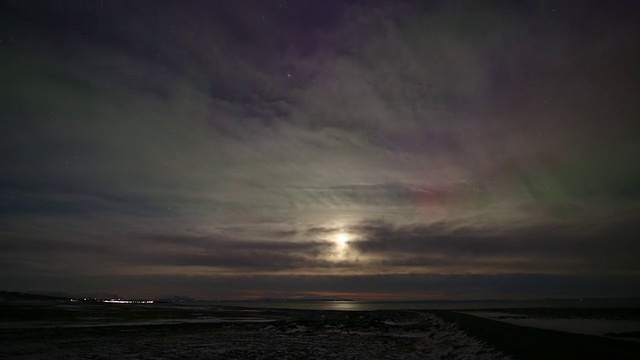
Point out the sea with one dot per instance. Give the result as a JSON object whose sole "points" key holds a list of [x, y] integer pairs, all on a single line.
{"points": [[434, 304]]}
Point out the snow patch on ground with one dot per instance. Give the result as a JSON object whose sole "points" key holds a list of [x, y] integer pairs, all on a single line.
{"points": [[297, 329]]}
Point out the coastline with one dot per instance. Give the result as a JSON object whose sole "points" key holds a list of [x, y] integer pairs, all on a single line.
{"points": [[533, 343], [55, 329]]}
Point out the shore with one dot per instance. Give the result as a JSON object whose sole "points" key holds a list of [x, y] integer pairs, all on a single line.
{"points": [[532, 343], [63, 330], [131, 331]]}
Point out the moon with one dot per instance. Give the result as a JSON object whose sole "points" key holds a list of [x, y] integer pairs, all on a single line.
{"points": [[342, 239], [341, 247]]}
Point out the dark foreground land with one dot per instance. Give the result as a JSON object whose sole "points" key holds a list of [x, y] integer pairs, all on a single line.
{"points": [[62, 330], [159, 331], [531, 343]]}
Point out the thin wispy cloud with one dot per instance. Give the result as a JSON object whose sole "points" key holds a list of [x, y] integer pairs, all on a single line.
{"points": [[195, 140]]}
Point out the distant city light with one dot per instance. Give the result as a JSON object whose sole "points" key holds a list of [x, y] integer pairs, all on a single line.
{"points": [[116, 301], [120, 301]]}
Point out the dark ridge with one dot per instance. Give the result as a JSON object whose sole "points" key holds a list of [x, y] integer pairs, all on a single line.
{"points": [[14, 296]]}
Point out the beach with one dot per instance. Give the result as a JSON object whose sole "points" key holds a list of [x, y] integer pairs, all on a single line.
{"points": [[525, 342], [63, 330]]}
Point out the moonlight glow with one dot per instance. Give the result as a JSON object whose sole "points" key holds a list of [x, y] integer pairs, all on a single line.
{"points": [[385, 149], [342, 239], [341, 251]]}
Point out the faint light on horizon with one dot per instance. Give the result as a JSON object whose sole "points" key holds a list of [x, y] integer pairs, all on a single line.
{"points": [[121, 301]]}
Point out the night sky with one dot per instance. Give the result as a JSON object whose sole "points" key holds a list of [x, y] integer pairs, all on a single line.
{"points": [[370, 150]]}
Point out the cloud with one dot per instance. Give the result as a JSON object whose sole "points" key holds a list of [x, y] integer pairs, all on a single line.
{"points": [[450, 138], [442, 249]]}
